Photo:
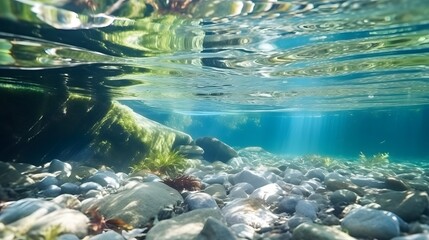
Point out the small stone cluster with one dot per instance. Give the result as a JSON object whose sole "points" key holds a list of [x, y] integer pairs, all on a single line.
{"points": [[254, 196]]}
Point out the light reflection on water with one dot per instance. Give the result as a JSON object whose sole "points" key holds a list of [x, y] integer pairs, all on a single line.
{"points": [[228, 56]]}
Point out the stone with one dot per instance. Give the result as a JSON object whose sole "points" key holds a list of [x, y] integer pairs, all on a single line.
{"points": [[343, 196], [51, 191], [67, 236], [190, 151], [408, 205], [46, 182], [269, 193], [293, 176], [67, 201], [34, 216], [244, 186], [70, 188], [28, 208], [307, 231], [249, 211], [288, 203], [108, 235], [85, 187], [215, 230], [215, 150], [11, 177], [200, 200], [237, 193], [183, 227], [105, 178], [419, 236], [307, 209], [249, 177], [296, 220], [216, 190], [213, 179], [67, 220], [316, 173], [396, 184], [335, 181], [371, 223], [64, 168], [137, 203], [368, 182], [243, 231]]}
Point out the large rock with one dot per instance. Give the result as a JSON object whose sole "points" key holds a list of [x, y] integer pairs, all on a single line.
{"points": [[215, 150], [183, 227], [84, 128], [408, 205], [251, 178], [215, 230], [11, 177], [35, 216], [307, 231], [137, 203], [371, 223]]}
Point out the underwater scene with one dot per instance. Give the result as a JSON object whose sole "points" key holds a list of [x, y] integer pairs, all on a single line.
{"points": [[214, 119]]}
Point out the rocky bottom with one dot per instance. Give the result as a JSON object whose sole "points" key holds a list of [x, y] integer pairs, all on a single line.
{"points": [[256, 196]]}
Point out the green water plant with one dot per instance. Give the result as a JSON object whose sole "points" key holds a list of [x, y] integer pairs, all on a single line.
{"points": [[378, 159], [171, 163]]}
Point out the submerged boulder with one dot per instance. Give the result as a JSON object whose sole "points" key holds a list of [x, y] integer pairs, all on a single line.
{"points": [[38, 126], [215, 150]]}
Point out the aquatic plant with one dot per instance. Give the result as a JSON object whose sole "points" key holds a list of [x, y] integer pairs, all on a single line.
{"points": [[170, 164], [98, 223], [376, 160], [319, 160], [183, 182]]}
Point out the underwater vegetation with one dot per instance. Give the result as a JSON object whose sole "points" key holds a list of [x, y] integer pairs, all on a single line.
{"points": [[320, 161], [183, 182], [376, 160], [170, 164], [98, 223]]}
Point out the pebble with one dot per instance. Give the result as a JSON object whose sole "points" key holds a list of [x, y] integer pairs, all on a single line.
{"points": [[316, 173], [216, 190], [288, 203], [371, 223], [51, 191], [200, 200], [249, 211], [108, 235], [85, 187], [47, 182], [70, 188], [293, 176], [408, 205], [105, 178], [242, 230], [64, 168], [269, 193], [215, 230], [307, 209], [343, 196], [308, 231], [251, 178]]}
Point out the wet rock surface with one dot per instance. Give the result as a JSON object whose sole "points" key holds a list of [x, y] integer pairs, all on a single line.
{"points": [[243, 200]]}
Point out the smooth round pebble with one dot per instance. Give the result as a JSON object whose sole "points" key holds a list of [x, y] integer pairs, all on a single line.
{"points": [[85, 187], [70, 188], [51, 191], [200, 200], [46, 182]]}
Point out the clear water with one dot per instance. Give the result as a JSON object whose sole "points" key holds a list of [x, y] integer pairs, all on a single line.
{"points": [[328, 77]]}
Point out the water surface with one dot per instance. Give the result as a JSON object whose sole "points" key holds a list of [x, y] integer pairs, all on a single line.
{"points": [[334, 77]]}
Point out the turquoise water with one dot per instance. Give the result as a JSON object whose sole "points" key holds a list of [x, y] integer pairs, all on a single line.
{"points": [[294, 77]]}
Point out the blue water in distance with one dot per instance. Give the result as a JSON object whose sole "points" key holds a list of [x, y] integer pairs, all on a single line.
{"points": [[402, 132]]}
